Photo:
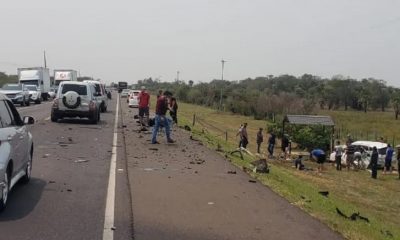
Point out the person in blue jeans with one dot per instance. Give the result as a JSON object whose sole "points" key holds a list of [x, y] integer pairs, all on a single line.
{"points": [[161, 119]]}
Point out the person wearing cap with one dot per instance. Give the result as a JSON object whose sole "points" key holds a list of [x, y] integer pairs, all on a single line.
{"points": [[160, 119], [144, 104]]}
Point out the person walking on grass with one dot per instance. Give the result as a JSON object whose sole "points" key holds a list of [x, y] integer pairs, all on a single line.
{"points": [[144, 104], [260, 139], [244, 136], [285, 146], [160, 119], [271, 144], [388, 160], [374, 163], [319, 156], [338, 156], [239, 133]]}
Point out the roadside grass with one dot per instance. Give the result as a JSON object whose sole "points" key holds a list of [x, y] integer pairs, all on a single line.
{"points": [[366, 126], [350, 191]]}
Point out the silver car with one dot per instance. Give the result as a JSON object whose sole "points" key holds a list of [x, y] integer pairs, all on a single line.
{"points": [[16, 148]]}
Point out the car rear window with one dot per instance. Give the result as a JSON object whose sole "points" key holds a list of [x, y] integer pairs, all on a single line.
{"points": [[80, 89], [97, 87]]}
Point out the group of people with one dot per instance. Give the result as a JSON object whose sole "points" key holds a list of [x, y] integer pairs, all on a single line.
{"points": [[165, 102], [244, 141], [354, 153]]}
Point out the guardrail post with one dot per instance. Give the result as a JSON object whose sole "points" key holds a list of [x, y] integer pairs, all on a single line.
{"points": [[226, 136], [194, 119]]}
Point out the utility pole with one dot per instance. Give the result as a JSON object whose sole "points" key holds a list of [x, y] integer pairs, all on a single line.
{"points": [[177, 76], [44, 57], [222, 79]]}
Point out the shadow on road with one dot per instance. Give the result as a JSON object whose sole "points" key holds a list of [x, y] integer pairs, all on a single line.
{"points": [[23, 199], [84, 121]]}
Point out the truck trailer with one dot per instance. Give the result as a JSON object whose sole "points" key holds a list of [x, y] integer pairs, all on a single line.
{"points": [[38, 76], [61, 75]]}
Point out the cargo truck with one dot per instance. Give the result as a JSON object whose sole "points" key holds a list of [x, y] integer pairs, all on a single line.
{"points": [[121, 86], [38, 76], [61, 75]]}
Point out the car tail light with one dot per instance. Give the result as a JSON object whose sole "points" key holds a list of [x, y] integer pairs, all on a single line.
{"points": [[92, 105], [55, 103]]}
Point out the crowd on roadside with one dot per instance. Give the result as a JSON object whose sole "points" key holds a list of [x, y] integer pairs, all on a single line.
{"points": [[352, 153]]}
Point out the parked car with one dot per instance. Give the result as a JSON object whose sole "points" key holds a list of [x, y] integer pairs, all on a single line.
{"points": [[125, 93], [133, 100], [52, 92], [76, 99], [367, 151], [16, 148], [17, 93], [102, 98], [35, 94]]}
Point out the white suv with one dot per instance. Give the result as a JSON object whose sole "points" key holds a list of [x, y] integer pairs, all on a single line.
{"points": [[16, 148], [102, 97], [76, 99]]}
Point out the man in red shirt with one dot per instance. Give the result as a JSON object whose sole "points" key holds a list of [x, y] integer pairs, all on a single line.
{"points": [[144, 103], [161, 119]]}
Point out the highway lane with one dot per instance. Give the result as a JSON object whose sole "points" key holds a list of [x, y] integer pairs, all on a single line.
{"points": [[67, 193]]}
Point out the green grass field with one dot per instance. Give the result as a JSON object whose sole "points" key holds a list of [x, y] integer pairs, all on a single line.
{"points": [[350, 191]]}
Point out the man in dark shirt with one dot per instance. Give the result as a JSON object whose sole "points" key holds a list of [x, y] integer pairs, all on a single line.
{"points": [[160, 119], [271, 145]]}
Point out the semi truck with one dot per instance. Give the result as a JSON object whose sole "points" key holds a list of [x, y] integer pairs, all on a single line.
{"points": [[61, 75], [122, 85], [38, 76]]}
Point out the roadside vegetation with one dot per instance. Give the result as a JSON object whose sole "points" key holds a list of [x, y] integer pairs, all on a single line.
{"points": [[349, 191]]}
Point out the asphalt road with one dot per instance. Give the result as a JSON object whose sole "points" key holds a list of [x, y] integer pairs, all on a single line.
{"points": [[66, 196]]}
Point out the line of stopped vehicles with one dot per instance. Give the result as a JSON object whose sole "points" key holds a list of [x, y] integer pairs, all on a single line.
{"points": [[72, 99]]}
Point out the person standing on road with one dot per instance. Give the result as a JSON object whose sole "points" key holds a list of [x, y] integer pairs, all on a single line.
{"points": [[144, 104], [260, 139], [388, 159], [338, 156], [271, 144], [319, 156], [173, 110], [160, 119], [374, 162]]}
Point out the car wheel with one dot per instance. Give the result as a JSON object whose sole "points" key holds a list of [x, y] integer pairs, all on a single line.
{"points": [[53, 117], [5, 191], [28, 169]]}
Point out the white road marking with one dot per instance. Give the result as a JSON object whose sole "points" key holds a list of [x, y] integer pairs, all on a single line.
{"points": [[108, 231]]}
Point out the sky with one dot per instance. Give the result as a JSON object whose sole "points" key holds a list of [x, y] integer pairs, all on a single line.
{"points": [[128, 40]]}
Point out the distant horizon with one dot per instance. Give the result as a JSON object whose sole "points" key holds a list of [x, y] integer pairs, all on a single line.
{"points": [[120, 40]]}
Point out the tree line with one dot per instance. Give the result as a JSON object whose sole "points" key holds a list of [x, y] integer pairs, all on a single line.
{"points": [[265, 97]]}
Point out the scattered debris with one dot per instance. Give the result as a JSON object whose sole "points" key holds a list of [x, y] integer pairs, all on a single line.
{"points": [[183, 150], [200, 161], [187, 128], [52, 181], [69, 190], [69, 128], [210, 203], [231, 172], [136, 116], [113, 228], [153, 149], [124, 126], [353, 216], [81, 160], [196, 172], [120, 170], [260, 166], [148, 169], [387, 233], [252, 181], [324, 193], [46, 155]]}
